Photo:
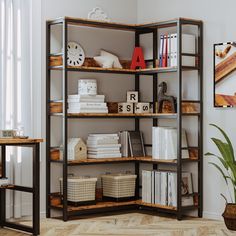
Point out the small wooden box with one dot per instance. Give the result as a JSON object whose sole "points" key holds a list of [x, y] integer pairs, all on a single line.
{"points": [[112, 107], [56, 107], [55, 154], [188, 107]]}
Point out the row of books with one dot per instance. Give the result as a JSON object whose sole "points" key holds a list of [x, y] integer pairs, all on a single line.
{"points": [[160, 187], [87, 104], [103, 145], [132, 143], [168, 50]]}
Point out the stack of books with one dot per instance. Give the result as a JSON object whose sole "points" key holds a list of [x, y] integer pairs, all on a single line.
{"points": [[87, 104], [103, 146], [160, 187]]}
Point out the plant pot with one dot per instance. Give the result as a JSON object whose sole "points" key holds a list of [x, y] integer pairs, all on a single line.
{"points": [[230, 216]]}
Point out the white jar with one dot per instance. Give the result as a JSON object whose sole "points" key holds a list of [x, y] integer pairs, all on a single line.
{"points": [[87, 87]]}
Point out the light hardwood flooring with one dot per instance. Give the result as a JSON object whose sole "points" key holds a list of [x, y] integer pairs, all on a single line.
{"points": [[135, 224]]}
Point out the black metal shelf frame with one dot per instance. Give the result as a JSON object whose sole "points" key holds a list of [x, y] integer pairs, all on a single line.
{"points": [[138, 30]]}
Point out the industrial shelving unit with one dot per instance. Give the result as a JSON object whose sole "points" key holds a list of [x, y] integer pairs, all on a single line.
{"points": [[104, 206]]}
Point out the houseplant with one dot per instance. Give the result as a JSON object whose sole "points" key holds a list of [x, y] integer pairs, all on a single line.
{"points": [[228, 171]]}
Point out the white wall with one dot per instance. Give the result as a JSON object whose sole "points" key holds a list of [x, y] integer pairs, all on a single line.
{"points": [[219, 26], [120, 11]]}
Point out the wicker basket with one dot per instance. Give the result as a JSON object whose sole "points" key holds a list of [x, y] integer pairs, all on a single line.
{"points": [[230, 216], [118, 185], [80, 189]]}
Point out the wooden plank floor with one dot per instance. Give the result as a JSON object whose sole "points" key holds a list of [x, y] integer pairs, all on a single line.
{"points": [[135, 224]]}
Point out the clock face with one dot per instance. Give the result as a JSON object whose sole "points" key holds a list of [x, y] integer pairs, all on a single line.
{"points": [[75, 54]]}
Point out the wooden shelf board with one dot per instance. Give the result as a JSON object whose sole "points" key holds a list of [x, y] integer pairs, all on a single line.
{"points": [[98, 205], [139, 202], [123, 159], [160, 115], [109, 204], [9, 186], [121, 26], [123, 71], [19, 140]]}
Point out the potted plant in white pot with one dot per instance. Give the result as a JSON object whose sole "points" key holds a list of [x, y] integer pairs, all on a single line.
{"points": [[228, 171]]}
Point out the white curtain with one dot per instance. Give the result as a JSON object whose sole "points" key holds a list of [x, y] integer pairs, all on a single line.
{"points": [[16, 90]]}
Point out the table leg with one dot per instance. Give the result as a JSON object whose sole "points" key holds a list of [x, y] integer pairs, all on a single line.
{"points": [[3, 191], [36, 187]]}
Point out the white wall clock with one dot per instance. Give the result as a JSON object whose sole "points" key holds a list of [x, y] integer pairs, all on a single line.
{"points": [[98, 14], [75, 54]]}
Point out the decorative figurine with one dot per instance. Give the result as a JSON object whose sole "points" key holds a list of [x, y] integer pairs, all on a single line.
{"points": [[161, 97]]}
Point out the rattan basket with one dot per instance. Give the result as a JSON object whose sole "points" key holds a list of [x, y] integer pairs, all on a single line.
{"points": [[118, 185], [80, 189]]}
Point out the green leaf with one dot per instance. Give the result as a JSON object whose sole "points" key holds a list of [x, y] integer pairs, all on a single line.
{"points": [[224, 163], [221, 171], [227, 140], [224, 149]]}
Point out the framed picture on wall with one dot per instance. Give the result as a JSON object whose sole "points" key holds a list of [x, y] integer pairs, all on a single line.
{"points": [[225, 74]]}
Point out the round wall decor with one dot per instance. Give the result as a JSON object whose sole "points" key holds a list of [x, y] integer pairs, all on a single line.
{"points": [[75, 54]]}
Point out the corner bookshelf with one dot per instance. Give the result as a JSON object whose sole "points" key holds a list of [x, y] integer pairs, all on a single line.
{"points": [[138, 30]]}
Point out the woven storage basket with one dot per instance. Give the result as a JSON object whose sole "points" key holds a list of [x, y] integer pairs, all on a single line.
{"points": [[80, 189], [118, 185]]}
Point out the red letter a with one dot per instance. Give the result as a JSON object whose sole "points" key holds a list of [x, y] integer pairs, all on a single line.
{"points": [[138, 59]]}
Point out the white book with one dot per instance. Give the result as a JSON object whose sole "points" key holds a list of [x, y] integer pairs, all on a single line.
{"points": [[93, 143], [149, 187], [157, 187], [91, 100], [161, 50], [172, 200], [143, 186], [173, 50], [103, 149], [153, 187], [105, 146], [87, 105], [102, 138], [104, 155], [173, 189], [163, 188], [168, 50], [87, 108], [123, 135], [81, 96], [103, 135], [105, 111]]}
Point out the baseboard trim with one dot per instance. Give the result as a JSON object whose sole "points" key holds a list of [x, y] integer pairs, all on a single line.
{"points": [[212, 215]]}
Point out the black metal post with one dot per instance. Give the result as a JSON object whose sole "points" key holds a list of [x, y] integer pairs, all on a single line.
{"points": [[200, 121], [36, 189], [137, 121], [48, 120], [65, 128], [179, 120], [3, 191], [137, 77], [155, 81]]}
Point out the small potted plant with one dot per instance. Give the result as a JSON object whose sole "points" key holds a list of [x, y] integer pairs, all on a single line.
{"points": [[228, 171]]}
